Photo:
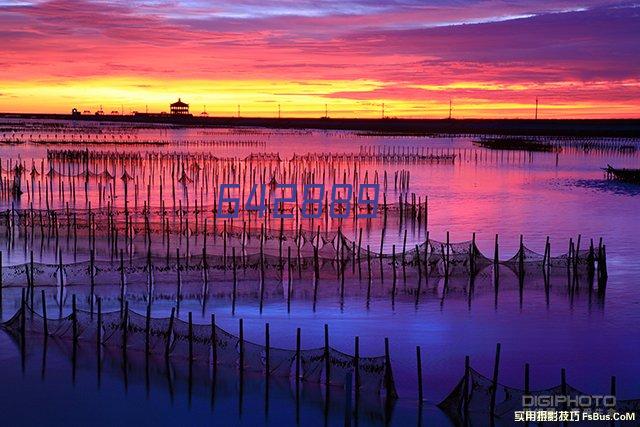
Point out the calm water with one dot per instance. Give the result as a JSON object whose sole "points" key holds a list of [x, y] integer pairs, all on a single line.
{"points": [[486, 192]]}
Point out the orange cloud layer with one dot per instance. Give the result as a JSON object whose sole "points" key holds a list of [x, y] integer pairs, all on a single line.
{"points": [[491, 60]]}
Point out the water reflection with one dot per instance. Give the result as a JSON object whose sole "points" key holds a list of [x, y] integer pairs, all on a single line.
{"points": [[131, 386], [607, 185]]}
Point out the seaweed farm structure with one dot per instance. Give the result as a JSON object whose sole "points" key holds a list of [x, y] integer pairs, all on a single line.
{"points": [[131, 254], [557, 144], [208, 349], [508, 143], [477, 395], [175, 338], [621, 174]]}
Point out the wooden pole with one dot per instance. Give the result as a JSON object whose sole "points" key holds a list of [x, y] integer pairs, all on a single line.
{"points": [[388, 380], [214, 340], [563, 384], [122, 283], [45, 328], [32, 280], [99, 328], [190, 337], [125, 327], [60, 271], [147, 328], [496, 269], [235, 282], [91, 279], [167, 349], [74, 319], [289, 279], [179, 277], [393, 264], [23, 322], [613, 385], [472, 255], [521, 257]]}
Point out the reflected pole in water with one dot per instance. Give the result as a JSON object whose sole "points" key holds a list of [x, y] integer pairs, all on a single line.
{"points": [[99, 343], [45, 336], [347, 408], [23, 327], [241, 368], [267, 369], [298, 342], [214, 371]]}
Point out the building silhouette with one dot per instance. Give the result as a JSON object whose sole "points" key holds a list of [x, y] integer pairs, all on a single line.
{"points": [[179, 107]]}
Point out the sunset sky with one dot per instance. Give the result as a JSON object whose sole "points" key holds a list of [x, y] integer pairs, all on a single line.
{"points": [[491, 58]]}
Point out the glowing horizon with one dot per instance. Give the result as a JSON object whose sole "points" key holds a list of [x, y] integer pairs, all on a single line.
{"points": [[492, 59]]}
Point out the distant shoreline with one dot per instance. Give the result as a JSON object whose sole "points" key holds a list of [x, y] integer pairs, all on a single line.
{"points": [[613, 128]]}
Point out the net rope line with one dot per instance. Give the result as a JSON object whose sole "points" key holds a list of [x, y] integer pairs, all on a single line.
{"points": [[204, 343], [404, 156], [270, 248], [200, 167], [508, 399], [191, 178], [201, 171], [371, 372], [301, 236], [183, 209]]}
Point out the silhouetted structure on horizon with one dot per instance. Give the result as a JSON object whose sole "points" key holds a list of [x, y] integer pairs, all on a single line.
{"points": [[179, 107]]}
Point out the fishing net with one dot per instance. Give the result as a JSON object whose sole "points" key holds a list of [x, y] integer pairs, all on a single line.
{"points": [[630, 405], [339, 365], [76, 274], [371, 373], [312, 364], [136, 330], [526, 256], [452, 403], [254, 356], [159, 334], [507, 399], [112, 327], [281, 361], [86, 326], [226, 351], [269, 254], [198, 339]]}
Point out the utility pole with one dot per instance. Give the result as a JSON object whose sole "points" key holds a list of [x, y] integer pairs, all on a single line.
{"points": [[326, 111], [450, 108], [238, 110], [279, 111], [536, 108]]}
